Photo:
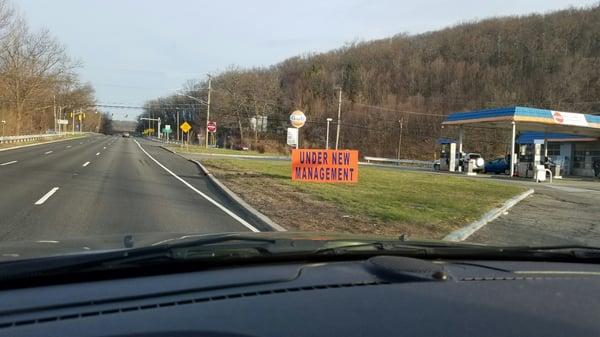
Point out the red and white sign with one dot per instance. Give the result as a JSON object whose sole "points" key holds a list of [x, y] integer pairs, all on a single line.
{"points": [[211, 126], [569, 118]]}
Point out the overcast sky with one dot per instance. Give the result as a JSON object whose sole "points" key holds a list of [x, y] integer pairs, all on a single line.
{"points": [[137, 50]]}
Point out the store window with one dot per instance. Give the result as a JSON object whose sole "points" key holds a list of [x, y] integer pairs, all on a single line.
{"points": [[553, 149]]}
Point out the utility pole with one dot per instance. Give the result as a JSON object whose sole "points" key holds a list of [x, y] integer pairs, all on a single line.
{"points": [[400, 139], [208, 109], [327, 138], [337, 135], [178, 130], [73, 115], [54, 109]]}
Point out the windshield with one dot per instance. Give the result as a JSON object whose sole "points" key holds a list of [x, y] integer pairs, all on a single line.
{"points": [[126, 125]]}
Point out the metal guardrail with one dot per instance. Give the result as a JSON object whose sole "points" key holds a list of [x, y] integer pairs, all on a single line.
{"points": [[405, 162], [27, 138]]}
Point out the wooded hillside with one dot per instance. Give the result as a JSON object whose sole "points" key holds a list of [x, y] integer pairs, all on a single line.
{"points": [[549, 61]]}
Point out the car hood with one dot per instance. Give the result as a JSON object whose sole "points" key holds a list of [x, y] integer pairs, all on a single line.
{"points": [[16, 250]]}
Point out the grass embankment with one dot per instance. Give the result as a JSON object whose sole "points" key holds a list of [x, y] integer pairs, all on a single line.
{"points": [[203, 150], [384, 201]]}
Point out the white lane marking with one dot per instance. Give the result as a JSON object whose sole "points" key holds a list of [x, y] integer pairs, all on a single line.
{"points": [[48, 152], [97, 154], [47, 241], [212, 201], [104, 148], [46, 196], [86, 164], [80, 142], [8, 163], [68, 146]]}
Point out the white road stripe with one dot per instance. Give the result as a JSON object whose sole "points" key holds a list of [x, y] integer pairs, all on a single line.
{"points": [[97, 154], [46, 196], [104, 148], [86, 163], [68, 146], [8, 163], [212, 201], [48, 152]]}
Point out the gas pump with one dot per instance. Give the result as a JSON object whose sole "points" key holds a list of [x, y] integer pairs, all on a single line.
{"points": [[539, 170], [448, 156]]}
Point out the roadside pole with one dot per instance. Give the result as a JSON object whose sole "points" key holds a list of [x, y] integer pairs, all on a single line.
{"points": [[208, 109], [73, 115], [400, 139], [54, 109], [178, 131], [512, 149], [327, 138], [337, 135]]}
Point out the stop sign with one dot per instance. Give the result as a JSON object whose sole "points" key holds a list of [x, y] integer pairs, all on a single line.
{"points": [[211, 126]]}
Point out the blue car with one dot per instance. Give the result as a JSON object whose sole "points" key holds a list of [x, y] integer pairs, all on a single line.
{"points": [[498, 165]]}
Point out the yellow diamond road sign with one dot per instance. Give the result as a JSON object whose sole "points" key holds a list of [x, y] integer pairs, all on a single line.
{"points": [[185, 127]]}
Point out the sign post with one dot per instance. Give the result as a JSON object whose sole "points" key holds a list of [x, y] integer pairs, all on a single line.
{"points": [[297, 118], [186, 127], [292, 137]]}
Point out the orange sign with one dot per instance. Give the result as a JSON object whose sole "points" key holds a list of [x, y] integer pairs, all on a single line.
{"points": [[325, 166]]}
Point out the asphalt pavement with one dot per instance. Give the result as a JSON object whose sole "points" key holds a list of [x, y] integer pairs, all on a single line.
{"points": [[106, 185], [564, 212]]}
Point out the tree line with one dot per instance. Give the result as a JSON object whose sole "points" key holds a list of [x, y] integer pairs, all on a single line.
{"points": [[38, 80], [549, 61]]}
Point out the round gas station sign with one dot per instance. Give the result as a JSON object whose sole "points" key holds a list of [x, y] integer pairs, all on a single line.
{"points": [[298, 119]]}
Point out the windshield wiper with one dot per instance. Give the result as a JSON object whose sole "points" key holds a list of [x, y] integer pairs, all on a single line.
{"points": [[461, 250], [175, 250]]}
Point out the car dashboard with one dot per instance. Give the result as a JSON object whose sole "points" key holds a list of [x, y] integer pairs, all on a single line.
{"points": [[382, 296]]}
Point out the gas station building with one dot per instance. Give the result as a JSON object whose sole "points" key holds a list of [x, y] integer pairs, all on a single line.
{"points": [[571, 140]]}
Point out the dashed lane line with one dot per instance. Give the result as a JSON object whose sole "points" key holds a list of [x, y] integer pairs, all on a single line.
{"points": [[46, 196]]}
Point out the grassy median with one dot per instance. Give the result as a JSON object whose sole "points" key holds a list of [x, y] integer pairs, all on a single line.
{"points": [[384, 201], [203, 150]]}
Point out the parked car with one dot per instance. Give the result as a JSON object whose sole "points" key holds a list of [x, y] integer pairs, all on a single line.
{"points": [[126, 135], [498, 165]]}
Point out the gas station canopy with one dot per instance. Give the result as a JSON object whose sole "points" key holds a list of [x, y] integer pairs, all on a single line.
{"points": [[531, 137], [530, 119]]}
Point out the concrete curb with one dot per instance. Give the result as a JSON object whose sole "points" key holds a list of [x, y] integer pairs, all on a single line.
{"points": [[252, 212], [463, 233]]}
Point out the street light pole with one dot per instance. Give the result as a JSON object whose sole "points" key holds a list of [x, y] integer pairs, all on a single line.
{"points": [[337, 135], [327, 138], [208, 110]]}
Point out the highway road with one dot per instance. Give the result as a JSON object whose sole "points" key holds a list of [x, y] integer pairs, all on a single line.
{"points": [[102, 185]]}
